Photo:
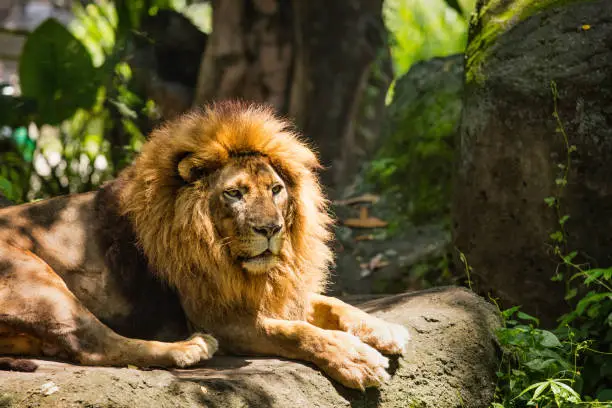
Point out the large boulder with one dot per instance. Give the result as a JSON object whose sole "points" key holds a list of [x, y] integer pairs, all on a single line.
{"points": [[512, 155], [451, 363]]}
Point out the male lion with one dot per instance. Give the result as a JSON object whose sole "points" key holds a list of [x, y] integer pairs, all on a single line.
{"points": [[218, 225]]}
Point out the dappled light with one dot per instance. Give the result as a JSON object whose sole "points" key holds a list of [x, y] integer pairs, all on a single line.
{"points": [[270, 203]]}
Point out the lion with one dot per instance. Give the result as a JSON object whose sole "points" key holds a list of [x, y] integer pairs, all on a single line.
{"points": [[217, 233]]}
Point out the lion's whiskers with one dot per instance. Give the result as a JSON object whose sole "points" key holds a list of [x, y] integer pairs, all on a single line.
{"points": [[226, 242]]}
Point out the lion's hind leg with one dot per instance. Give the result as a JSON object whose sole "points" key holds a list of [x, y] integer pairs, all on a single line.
{"points": [[34, 300]]}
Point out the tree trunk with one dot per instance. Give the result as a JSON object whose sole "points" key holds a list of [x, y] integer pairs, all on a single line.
{"points": [[451, 364], [337, 43], [310, 59], [511, 151], [249, 53]]}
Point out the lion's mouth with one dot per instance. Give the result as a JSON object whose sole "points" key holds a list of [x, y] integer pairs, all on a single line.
{"points": [[259, 262], [263, 256]]}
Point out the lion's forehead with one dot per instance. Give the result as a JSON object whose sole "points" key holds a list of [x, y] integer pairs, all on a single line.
{"points": [[252, 172]]}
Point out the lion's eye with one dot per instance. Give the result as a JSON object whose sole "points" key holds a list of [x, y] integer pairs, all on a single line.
{"points": [[233, 193], [277, 189]]}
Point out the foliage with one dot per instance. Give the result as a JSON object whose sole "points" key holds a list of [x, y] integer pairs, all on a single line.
{"points": [[571, 365], [414, 163], [562, 367], [56, 71], [537, 367], [78, 120], [423, 29]]}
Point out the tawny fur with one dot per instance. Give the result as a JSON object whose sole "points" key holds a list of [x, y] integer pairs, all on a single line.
{"points": [[171, 214], [175, 229]]}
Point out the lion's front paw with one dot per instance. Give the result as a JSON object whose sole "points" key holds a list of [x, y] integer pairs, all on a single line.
{"points": [[388, 338], [197, 348], [355, 364]]}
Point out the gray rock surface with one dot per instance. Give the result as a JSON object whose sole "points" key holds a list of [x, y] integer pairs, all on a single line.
{"points": [[510, 148], [451, 363]]}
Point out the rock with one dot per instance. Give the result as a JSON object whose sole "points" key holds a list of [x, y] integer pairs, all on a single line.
{"points": [[417, 146], [510, 148], [451, 363], [407, 255]]}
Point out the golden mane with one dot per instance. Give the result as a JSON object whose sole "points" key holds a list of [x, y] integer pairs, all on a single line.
{"points": [[175, 230]]}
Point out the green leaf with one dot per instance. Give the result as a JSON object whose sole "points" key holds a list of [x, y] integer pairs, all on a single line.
{"points": [[531, 387], [605, 395], [570, 394], [590, 298], [571, 294], [593, 275], [539, 391], [56, 71], [570, 257], [550, 201], [557, 236], [548, 339], [564, 219], [561, 182], [525, 316], [6, 187], [539, 364]]}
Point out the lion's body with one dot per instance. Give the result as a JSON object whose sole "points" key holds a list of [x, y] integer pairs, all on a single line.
{"points": [[220, 222], [92, 249]]}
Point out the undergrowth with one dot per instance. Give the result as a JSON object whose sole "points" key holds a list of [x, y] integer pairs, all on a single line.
{"points": [[569, 366]]}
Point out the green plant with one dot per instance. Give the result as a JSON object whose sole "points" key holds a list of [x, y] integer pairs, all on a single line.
{"points": [[78, 120], [572, 365], [423, 29], [537, 367]]}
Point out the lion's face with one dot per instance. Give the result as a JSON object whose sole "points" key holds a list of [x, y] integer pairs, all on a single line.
{"points": [[248, 206], [227, 192]]}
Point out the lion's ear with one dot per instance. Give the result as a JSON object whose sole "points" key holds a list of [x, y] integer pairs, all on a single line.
{"points": [[189, 169]]}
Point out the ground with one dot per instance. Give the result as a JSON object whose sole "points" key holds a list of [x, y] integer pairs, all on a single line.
{"points": [[451, 363]]}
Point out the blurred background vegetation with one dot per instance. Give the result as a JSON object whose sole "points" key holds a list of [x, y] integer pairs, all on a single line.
{"points": [[73, 113], [377, 87]]}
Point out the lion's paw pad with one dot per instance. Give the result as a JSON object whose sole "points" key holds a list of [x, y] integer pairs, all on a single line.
{"points": [[197, 348]]}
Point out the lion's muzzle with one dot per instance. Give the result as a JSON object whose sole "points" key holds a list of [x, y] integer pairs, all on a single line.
{"points": [[267, 230], [264, 247]]}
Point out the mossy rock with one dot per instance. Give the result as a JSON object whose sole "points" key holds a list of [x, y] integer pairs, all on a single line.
{"points": [[414, 162], [512, 154], [491, 19]]}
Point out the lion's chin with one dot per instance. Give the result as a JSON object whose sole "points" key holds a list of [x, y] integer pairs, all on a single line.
{"points": [[260, 264]]}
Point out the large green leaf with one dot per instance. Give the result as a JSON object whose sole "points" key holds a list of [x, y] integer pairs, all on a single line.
{"points": [[57, 72]]}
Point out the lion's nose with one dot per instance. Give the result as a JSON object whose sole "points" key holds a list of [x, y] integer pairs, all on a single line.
{"points": [[267, 230]]}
